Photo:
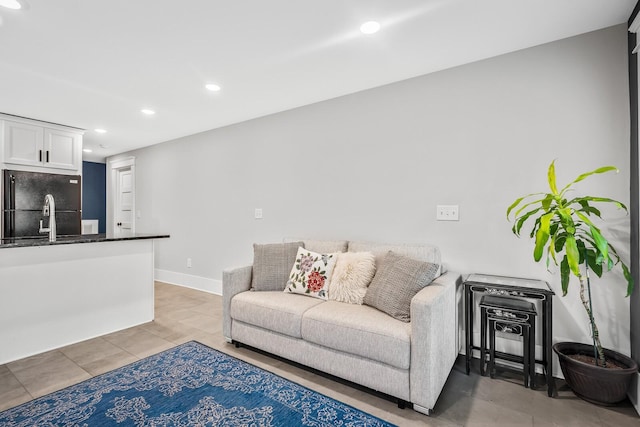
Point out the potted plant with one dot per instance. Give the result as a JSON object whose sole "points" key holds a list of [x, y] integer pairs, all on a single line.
{"points": [[563, 230]]}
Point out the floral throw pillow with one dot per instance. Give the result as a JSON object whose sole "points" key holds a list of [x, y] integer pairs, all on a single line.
{"points": [[311, 273]]}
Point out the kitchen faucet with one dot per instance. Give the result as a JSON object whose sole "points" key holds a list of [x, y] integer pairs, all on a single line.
{"points": [[49, 210]]}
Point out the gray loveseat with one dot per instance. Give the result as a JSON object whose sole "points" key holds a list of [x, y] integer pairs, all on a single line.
{"points": [[409, 361]]}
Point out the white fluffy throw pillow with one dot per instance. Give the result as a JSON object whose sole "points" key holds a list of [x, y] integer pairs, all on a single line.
{"points": [[351, 276]]}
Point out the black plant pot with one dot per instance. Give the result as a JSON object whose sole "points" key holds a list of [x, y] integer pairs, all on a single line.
{"points": [[592, 383]]}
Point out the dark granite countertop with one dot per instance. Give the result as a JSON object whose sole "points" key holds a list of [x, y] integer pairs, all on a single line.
{"points": [[24, 242]]}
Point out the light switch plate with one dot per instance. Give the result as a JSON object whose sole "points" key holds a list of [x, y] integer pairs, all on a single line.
{"points": [[447, 213], [258, 213]]}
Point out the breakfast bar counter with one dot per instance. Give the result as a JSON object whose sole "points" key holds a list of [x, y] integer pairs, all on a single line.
{"points": [[22, 242], [58, 293]]}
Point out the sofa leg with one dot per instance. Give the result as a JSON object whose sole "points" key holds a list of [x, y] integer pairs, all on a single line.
{"points": [[237, 344], [421, 409], [402, 404]]}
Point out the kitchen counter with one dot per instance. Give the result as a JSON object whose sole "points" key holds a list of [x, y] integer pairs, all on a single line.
{"points": [[23, 242], [59, 293]]}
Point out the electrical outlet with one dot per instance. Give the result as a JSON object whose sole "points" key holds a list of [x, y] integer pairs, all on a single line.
{"points": [[258, 213], [189, 265], [447, 213]]}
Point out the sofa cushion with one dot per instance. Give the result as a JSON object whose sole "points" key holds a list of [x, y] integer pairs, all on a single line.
{"points": [[273, 310], [420, 252], [272, 264], [398, 279], [359, 330], [351, 276], [311, 273]]}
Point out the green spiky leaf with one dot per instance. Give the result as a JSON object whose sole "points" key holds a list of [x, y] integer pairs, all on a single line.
{"points": [[564, 275], [542, 235], [551, 177], [603, 169], [573, 255]]}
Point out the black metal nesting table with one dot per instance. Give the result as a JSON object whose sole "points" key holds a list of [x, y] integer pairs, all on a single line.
{"points": [[514, 287]]}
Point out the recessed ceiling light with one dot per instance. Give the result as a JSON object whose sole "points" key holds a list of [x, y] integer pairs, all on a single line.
{"points": [[100, 130], [87, 150], [11, 4], [370, 27], [213, 87], [147, 112]]}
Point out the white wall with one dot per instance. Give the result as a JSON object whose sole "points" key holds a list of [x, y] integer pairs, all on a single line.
{"points": [[374, 165]]}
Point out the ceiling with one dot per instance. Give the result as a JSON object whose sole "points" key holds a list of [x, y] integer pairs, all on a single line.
{"points": [[96, 63]]}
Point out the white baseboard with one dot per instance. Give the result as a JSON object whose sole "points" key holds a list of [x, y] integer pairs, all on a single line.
{"points": [[634, 392], [189, 281]]}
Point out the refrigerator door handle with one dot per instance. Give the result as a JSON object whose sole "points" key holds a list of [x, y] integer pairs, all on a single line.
{"points": [[12, 225], [12, 192]]}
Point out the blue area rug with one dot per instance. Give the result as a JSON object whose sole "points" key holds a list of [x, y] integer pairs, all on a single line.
{"points": [[189, 385]]}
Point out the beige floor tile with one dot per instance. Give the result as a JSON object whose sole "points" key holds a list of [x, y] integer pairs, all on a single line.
{"points": [[12, 393], [215, 340], [139, 342], [47, 372], [91, 351], [98, 356], [109, 363], [207, 323], [209, 308], [622, 415], [170, 331]]}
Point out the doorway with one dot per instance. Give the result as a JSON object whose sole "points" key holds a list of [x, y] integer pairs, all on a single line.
{"points": [[121, 200]]}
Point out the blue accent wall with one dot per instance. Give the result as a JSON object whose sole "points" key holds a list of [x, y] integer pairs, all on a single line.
{"points": [[94, 193]]}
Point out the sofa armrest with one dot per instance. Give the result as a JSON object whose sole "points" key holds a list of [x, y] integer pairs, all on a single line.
{"points": [[434, 346], [234, 281]]}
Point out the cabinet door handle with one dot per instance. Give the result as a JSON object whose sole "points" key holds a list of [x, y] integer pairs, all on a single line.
{"points": [[47, 156], [39, 155]]}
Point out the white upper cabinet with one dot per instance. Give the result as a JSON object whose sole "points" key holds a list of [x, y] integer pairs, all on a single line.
{"points": [[23, 143], [61, 149], [41, 147]]}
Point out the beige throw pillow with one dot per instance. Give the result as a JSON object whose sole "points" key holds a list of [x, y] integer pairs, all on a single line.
{"points": [[351, 276]]}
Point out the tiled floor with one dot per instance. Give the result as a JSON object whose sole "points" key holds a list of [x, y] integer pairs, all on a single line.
{"points": [[184, 314]]}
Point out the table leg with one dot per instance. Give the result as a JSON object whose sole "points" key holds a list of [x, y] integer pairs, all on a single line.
{"points": [[468, 326], [547, 334], [532, 352], [483, 338]]}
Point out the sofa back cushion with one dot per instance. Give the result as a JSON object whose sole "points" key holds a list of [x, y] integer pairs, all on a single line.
{"points": [[425, 253], [272, 264], [322, 246]]}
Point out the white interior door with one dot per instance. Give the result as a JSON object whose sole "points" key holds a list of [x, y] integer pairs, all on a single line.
{"points": [[124, 219]]}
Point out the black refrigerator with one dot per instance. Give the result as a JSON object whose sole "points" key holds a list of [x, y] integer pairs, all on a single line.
{"points": [[23, 200]]}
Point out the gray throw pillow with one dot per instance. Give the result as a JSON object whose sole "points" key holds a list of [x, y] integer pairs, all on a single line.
{"points": [[398, 279], [272, 264]]}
